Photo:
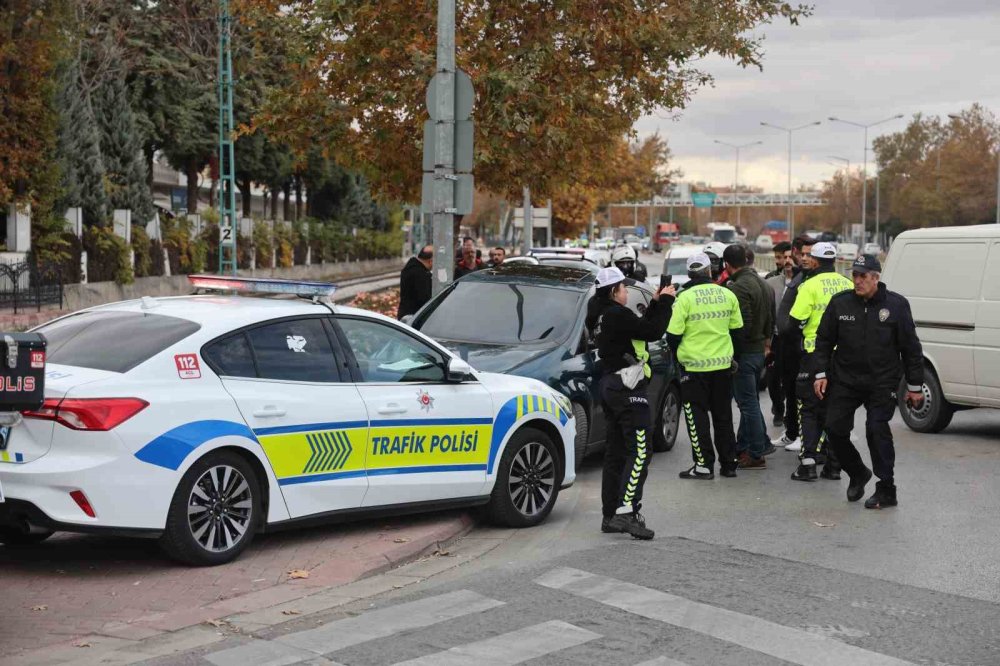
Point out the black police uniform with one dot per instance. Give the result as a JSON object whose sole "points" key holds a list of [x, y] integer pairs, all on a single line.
{"points": [[621, 342], [637, 273], [867, 345]]}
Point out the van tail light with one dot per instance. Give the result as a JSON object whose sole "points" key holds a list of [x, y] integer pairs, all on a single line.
{"points": [[88, 413]]}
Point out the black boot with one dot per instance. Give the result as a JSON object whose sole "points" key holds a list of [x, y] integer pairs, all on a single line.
{"points": [[632, 523], [831, 470], [606, 526], [804, 473], [856, 489], [884, 496]]}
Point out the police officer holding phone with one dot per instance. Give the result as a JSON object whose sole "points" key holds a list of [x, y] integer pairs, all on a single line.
{"points": [[868, 339]]}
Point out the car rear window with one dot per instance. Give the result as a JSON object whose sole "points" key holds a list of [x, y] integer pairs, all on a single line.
{"points": [[112, 341]]}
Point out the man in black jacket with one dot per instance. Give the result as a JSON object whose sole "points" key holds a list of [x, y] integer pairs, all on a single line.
{"points": [[415, 282], [625, 372], [791, 345], [868, 339]]}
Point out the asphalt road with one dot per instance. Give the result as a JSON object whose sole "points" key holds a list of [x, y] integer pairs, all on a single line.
{"points": [[753, 570]]}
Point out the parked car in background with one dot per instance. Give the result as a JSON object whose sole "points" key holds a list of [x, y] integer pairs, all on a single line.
{"points": [[675, 262], [764, 243], [957, 317], [848, 251], [632, 241], [872, 248], [534, 327]]}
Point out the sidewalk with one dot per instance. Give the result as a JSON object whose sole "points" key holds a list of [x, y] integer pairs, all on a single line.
{"points": [[72, 590]]}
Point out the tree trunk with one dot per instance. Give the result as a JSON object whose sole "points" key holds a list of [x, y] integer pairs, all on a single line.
{"points": [[246, 195], [298, 198], [192, 187], [149, 153], [274, 203], [287, 191]]}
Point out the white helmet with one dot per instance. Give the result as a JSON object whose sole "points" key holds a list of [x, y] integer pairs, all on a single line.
{"points": [[622, 253], [715, 248]]}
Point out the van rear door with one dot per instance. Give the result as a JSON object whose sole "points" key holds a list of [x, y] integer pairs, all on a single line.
{"points": [[987, 334]]}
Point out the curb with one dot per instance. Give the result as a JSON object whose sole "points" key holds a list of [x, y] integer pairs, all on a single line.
{"points": [[324, 577]]}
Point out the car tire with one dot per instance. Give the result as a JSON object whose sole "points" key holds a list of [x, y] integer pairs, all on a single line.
{"points": [[13, 537], [225, 486], [582, 435], [936, 412], [530, 458], [668, 420]]}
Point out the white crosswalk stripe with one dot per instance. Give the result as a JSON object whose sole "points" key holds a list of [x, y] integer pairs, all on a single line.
{"points": [[662, 661], [511, 648], [792, 645]]}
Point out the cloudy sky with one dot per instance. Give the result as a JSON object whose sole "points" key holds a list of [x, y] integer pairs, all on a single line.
{"points": [[861, 60]]}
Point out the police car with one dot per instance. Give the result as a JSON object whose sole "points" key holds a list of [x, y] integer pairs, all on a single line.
{"points": [[200, 420]]}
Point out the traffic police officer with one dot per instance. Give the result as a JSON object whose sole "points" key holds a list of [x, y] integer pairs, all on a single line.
{"points": [[700, 329], [623, 257], [625, 372], [822, 284], [867, 342]]}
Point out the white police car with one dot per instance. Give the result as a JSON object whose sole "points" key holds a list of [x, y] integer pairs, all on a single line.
{"points": [[201, 420]]}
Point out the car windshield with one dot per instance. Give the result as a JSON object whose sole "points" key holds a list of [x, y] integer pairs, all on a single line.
{"points": [[675, 266], [502, 313], [724, 235], [113, 341]]}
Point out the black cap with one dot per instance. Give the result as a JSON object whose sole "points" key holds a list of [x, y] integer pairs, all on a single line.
{"points": [[866, 263]]}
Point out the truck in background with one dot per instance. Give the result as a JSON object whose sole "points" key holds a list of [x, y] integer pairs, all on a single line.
{"points": [[666, 233], [723, 233]]}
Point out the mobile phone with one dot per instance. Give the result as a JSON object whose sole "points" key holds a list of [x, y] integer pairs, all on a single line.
{"points": [[665, 281]]}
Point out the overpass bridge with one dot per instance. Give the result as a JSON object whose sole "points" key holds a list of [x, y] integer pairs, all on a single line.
{"points": [[711, 199]]}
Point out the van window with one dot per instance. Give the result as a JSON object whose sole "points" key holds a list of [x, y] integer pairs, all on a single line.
{"points": [[940, 270], [991, 278]]}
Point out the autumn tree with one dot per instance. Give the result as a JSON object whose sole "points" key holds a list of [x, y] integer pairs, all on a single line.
{"points": [[557, 83]]}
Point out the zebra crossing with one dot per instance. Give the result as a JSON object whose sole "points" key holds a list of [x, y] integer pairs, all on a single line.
{"points": [[546, 639]]}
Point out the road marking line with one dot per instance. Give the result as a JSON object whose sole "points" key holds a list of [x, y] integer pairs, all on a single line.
{"points": [[385, 622], [262, 653], [510, 648], [662, 661], [754, 633]]}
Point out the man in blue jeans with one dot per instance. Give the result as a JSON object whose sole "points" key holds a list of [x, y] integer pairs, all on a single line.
{"points": [[751, 344]]}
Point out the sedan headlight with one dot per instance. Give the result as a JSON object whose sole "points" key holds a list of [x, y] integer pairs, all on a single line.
{"points": [[563, 402]]}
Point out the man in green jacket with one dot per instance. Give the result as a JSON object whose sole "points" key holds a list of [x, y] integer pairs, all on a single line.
{"points": [[751, 345]]}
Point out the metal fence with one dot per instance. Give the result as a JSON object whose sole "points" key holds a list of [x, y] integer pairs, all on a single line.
{"points": [[26, 284]]}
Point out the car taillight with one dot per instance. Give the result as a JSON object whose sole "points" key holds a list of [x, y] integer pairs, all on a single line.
{"points": [[88, 413]]}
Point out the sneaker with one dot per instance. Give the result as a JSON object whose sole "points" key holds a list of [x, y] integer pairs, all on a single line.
{"points": [[882, 497], [606, 526], [794, 446], [804, 473], [856, 489], [747, 462], [830, 472], [778, 422], [632, 523], [697, 472], [768, 450], [781, 441]]}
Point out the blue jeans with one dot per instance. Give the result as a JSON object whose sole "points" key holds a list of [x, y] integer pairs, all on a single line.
{"points": [[752, 433]]}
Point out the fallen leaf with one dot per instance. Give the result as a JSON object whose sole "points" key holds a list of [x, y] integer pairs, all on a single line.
{"points": [[400, 540], [39, 608], [215, 623], [443, 553], [823, 524], [82, 645], [291, 612], [298, 573], [136, 582]]}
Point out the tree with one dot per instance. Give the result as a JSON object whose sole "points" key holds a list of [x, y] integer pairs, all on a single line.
{"points": [[557, 83], [121, 149]]}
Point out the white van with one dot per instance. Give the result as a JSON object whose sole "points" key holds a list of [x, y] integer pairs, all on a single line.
{"points": [[951, 276]]}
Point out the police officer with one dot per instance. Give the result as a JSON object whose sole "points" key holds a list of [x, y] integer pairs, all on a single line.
{"points": [[867, 342], [625, 372], [623, 257], [700, 329], [822, 284], [791, 344], [715, 250]]}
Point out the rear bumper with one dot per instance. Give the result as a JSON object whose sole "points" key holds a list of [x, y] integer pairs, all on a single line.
{"points": [[20, 514]]}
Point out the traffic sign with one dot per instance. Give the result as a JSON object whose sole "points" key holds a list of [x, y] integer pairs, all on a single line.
{"points": [[226, 236], [540, 218], [465, 95], [464, 185], [703, 199], [463, 146]]}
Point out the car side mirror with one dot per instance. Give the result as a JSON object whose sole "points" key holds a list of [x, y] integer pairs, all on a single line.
{"points": [[408, 319], [459, 371]]}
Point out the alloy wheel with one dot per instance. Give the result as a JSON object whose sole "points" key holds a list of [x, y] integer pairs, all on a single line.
{"points": [[670, 417], [220, 508], [532, 478]]}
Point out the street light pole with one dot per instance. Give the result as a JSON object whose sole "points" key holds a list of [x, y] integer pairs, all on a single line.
{"points": [[791, 220], [736, 178], [864, 168]]}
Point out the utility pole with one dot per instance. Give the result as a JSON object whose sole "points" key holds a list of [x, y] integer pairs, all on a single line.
{"points": [[443, 218], [228, 227], [528, 233]]}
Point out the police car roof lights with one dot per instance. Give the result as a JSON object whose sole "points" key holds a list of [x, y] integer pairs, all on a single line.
{"points": [[303, 288]]}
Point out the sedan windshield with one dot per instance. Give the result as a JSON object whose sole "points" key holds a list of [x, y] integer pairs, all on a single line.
{"points": [[502, 313], [675, 266]]}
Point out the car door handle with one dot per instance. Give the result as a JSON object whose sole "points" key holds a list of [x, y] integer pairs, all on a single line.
{"points": [[391, 408], [269, 411]]}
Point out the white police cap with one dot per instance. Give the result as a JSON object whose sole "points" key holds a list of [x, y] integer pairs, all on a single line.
{"points": [[609, 276], [699, 261], [824, 251]]}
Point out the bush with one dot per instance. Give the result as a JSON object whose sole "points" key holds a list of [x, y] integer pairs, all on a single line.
{"points": [[142, 249], [187, 255], [263, 243], [107, 256]]}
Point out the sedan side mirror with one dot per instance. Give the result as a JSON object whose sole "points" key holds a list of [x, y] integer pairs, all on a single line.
{"points": [[459, 371]]}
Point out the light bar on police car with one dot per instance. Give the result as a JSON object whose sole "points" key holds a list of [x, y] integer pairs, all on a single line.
{"points": [[262, 285]]}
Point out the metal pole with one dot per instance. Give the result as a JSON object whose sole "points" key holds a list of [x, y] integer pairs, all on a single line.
{"points": [[791, 221], [227, 163], [878, 189], [864, 189], [529, 230], [998, 185], [444, 159], [736, 186]]}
